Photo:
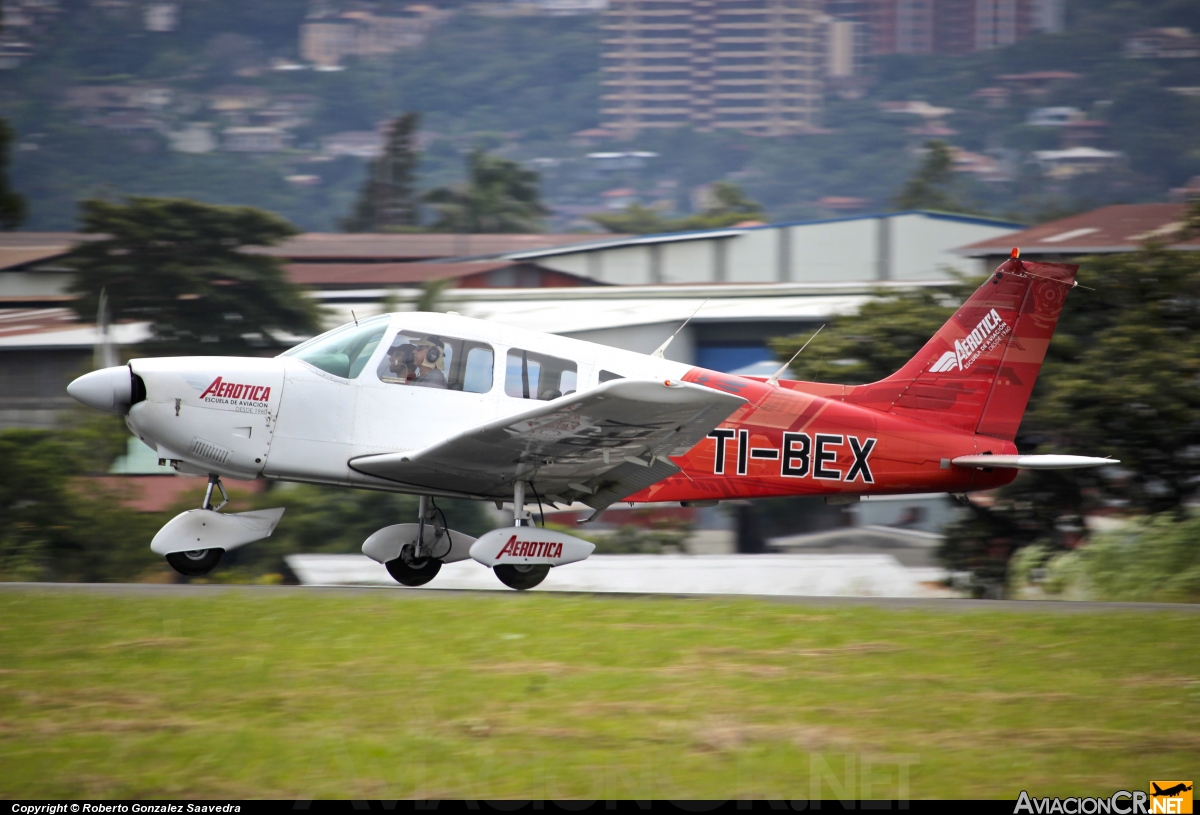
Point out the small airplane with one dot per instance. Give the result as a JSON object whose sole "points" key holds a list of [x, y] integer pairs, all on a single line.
{"points": [[1170, 792], [441, 405]]}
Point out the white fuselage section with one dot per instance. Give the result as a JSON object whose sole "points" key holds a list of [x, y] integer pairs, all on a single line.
{"points": [[396, 383]]}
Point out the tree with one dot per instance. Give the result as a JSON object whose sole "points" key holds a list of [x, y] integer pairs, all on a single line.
{"points": [[932, 187], [58, 524], [387, 199], [728, 205], [1192, 225], [635, 219], [500, 196], [887, 331], [12, 205], [185, 267]]}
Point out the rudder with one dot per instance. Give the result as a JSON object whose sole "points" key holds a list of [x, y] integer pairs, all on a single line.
{"points": [[977, 372]]}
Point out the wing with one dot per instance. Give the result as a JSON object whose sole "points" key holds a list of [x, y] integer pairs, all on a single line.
{"points": [[598, 446]]}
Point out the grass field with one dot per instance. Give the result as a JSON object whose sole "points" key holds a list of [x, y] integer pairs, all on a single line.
{"points": [[232, 693]]}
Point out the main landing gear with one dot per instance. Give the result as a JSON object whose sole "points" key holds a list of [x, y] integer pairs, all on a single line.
{"points": [[517, 576], [199, 562], [416, 565]]}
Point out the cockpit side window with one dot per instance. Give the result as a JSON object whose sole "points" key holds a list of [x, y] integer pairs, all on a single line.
{"points": [[344, 351], [436, 361], [529, 375]]}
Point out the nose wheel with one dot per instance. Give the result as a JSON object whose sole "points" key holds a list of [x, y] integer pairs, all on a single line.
{"points": [[199, 562], [195, 563]]}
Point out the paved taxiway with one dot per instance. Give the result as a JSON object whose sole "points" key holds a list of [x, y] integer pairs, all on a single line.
{"points": [[400, 593]]}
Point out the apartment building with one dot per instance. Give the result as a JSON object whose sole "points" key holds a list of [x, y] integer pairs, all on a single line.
{"points": [[952, 27], [750, 65]]}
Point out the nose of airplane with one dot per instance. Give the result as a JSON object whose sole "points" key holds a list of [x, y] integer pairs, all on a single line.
{"points": [[109, 389]]}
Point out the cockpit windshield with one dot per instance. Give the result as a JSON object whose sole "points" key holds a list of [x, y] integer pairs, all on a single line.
{"points": [[343, 351]]}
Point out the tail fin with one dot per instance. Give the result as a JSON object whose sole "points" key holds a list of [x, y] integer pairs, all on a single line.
{"points": [[977, 372]]}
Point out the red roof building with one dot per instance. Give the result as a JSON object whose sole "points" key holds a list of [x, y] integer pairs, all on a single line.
{"points": [[1108, 230]]}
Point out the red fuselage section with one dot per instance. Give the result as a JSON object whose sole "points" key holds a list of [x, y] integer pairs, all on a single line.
{"points": [[788, 441]]}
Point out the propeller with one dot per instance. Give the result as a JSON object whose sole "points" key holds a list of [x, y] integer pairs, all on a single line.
{"points": [[104, 352]]}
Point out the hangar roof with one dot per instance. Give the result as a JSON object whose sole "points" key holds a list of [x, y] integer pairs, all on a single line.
{"points": [[1117, 228]]}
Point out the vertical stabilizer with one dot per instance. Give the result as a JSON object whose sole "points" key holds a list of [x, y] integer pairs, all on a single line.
{"points": [[978, 371]]}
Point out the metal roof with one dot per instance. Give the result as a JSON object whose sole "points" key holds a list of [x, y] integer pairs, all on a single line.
{"points": [[619, 241], [386, 274], [59, 328], [406, 246], [1117, 228], [22, 248]]}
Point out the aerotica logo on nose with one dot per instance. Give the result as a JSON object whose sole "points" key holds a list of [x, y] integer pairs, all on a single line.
{"points": [[984, 337], [234, 390]]}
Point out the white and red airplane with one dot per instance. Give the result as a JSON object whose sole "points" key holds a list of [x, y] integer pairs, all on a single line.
{"points": [[444, 405]]}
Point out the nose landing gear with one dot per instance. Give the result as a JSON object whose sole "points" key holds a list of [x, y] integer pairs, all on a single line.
{"points": [[199, 562], [196, 563]]}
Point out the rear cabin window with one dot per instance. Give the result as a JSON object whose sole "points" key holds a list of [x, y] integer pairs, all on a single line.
{"points": [[529, 375], [435, 361], [344, 351], [609, 376]]}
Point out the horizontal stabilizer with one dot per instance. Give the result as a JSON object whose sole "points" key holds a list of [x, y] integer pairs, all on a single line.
{"points": [[1032, 462]]}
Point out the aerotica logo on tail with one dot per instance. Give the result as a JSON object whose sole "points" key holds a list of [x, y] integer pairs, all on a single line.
{"points": [[984, 337]]}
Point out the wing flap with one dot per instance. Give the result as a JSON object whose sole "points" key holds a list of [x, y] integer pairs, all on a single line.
{"points": [[608, 441]]}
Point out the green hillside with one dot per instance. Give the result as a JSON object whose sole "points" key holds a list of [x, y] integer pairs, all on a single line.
{"points": [[522, 86]]}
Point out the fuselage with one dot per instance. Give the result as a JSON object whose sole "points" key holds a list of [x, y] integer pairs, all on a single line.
{"points": [[406, 381]]}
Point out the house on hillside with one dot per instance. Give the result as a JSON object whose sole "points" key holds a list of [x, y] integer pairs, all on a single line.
{"points": [[1073, 161], [1037, 83], [254, 139], [237, 98], [326, 41], [1163, 43], [365, 144], [1054, 117]]}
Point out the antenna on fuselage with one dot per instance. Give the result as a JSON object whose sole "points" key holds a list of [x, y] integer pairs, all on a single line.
{"points": [[662, 348], [774, 378], [355, 316]]}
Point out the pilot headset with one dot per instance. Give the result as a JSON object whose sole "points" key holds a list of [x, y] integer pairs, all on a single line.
{"points": [[434, 353]]}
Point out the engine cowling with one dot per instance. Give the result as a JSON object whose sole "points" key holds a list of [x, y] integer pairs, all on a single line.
{"points": [[529, 546]]}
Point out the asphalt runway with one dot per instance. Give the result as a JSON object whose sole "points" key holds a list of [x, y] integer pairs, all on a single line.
{"points": [[401, 593]]}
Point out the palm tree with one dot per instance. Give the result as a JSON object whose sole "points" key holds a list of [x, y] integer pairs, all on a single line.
{"points": [[500, 196]]}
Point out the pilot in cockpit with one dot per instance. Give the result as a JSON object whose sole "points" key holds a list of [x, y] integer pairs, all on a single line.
{"points": [[402, 363], [430, 356]]}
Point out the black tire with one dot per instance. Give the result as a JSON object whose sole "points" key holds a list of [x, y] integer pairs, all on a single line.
{"points": [[196, 563], [410, 574], [521, 578]]}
